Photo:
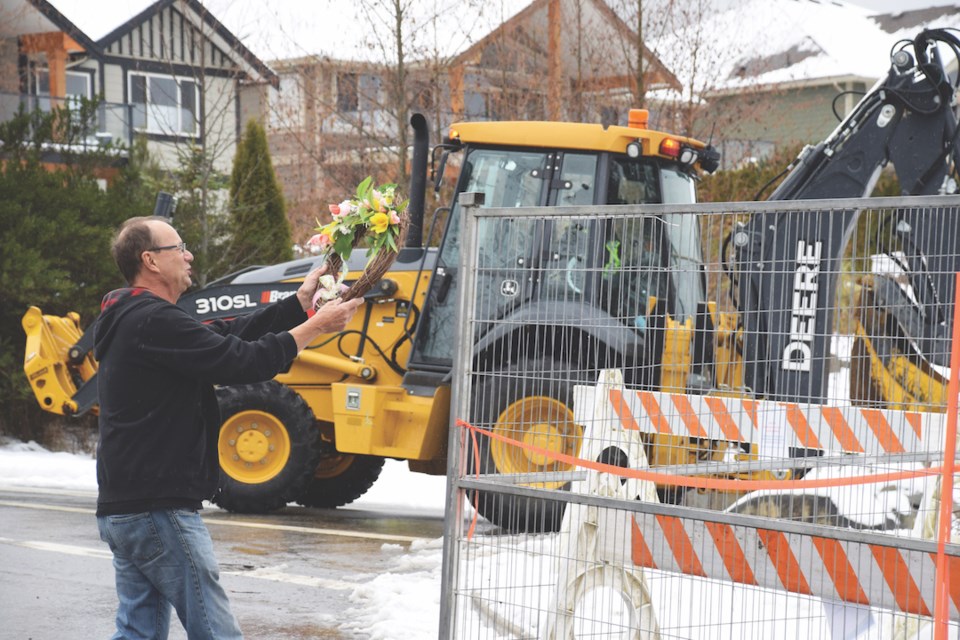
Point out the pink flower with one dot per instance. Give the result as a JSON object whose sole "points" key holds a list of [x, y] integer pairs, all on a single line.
{"points": [[394, 218], [334, 209], [320, 240]]}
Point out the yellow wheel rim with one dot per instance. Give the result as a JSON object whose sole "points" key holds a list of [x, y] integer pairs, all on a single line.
{"points": [[541, 422], [254, 447], [333, 465]]}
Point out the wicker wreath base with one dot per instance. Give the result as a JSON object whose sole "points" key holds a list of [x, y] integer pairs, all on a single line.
{"points": [[373, 272]]}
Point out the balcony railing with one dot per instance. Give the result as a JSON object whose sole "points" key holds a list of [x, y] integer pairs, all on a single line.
{"points": [[111, 122]]}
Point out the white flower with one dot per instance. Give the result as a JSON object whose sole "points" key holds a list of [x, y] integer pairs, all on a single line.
{"points": [[328, 288]]}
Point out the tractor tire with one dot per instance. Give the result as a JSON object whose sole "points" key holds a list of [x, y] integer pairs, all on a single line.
{"points": [[531, 402], [269, 446], [340, 478]]}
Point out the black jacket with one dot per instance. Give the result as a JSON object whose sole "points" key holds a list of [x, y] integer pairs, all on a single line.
{"points": [[159, 419]]}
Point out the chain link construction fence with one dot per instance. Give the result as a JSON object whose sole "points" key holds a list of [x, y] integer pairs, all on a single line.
{"points": [[708, 421]]}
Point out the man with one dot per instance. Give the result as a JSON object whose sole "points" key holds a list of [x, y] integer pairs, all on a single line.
{"points": [[159, 423]]}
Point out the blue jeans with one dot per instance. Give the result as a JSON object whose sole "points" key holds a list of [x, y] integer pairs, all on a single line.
{"points": [[165, 558]]}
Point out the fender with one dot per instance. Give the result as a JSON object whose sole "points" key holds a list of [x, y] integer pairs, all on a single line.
{"points": [[556, 315]]}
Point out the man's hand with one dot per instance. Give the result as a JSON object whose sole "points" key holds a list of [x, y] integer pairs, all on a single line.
{"points": [[309, 287], [335, 315], [331, 317]]}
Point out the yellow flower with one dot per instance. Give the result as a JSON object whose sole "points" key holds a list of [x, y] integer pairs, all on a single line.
{"points": [[329, 230], [380, 222]]}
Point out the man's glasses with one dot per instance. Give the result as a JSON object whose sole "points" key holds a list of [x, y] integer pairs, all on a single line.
{"points": [[182, 246]]}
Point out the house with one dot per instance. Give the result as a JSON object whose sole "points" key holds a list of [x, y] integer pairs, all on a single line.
{"points": [[336, 120], [780, 73], [554, 60], [170, 72]]}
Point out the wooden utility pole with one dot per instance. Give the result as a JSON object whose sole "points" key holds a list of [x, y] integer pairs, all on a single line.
{"points": [[554, 72], [640, 94]]}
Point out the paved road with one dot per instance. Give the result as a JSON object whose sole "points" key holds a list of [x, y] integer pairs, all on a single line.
{"points": [[288, 575]]}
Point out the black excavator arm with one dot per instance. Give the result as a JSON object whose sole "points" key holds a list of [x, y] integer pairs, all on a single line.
{"points": [[790, 261]]}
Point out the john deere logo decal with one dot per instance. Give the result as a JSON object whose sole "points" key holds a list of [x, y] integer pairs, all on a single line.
{"points": [[509, 288]]}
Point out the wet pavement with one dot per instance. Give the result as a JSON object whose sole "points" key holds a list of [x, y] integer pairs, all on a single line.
{"points": [[289, 575]]}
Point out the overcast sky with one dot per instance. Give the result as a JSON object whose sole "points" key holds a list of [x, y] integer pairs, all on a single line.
{"points": [[291, 28]]}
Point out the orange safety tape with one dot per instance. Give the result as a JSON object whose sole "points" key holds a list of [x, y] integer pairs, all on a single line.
{"points": [[476, 494], [698, 482]]}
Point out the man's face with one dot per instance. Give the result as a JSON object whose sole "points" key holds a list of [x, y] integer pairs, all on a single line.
{"points": [[171, 257]]}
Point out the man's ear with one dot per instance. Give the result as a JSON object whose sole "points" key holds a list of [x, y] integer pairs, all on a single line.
{"points": [[147, 261]]}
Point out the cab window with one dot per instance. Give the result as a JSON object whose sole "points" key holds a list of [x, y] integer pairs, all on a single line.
{"points": [[633, 182]]}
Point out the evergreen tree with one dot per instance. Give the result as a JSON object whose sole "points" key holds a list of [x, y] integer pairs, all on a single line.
{"points": [[56, 225], [259, 230]]}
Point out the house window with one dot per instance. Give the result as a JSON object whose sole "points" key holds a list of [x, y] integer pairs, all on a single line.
{"points": [[348, 98], [369, 86], [474, 104], [164, 104], [77, 87]]}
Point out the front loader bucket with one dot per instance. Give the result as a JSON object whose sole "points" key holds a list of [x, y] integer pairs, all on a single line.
{"points": [[59, 386]]}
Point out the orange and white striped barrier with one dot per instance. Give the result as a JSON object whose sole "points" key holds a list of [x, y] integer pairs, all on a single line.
{"points": [[780, 425], [856, 572]]}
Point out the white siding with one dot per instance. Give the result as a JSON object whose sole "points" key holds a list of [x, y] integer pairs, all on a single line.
{"points": [[220, 121], [113, 83]]}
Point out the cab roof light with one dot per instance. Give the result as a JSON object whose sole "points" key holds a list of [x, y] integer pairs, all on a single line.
{"points": [[634, 149], [688, 155], [670, 147], [638, 118]]}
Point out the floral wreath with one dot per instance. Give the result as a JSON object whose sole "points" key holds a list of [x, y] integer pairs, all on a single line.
{"points": [[375, 214]]}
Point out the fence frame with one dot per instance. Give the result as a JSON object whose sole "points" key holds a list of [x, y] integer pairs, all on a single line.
{"points": [[461, 380]]}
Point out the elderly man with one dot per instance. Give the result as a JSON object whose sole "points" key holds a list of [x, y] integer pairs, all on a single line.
{"points": [[159, 423]]}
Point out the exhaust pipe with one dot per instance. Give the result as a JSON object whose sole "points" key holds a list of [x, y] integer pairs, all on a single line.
{"points": [[418, 181]]}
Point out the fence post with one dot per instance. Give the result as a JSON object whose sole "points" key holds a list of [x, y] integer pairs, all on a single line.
{"points": [[942, 608], [459, 404]]}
